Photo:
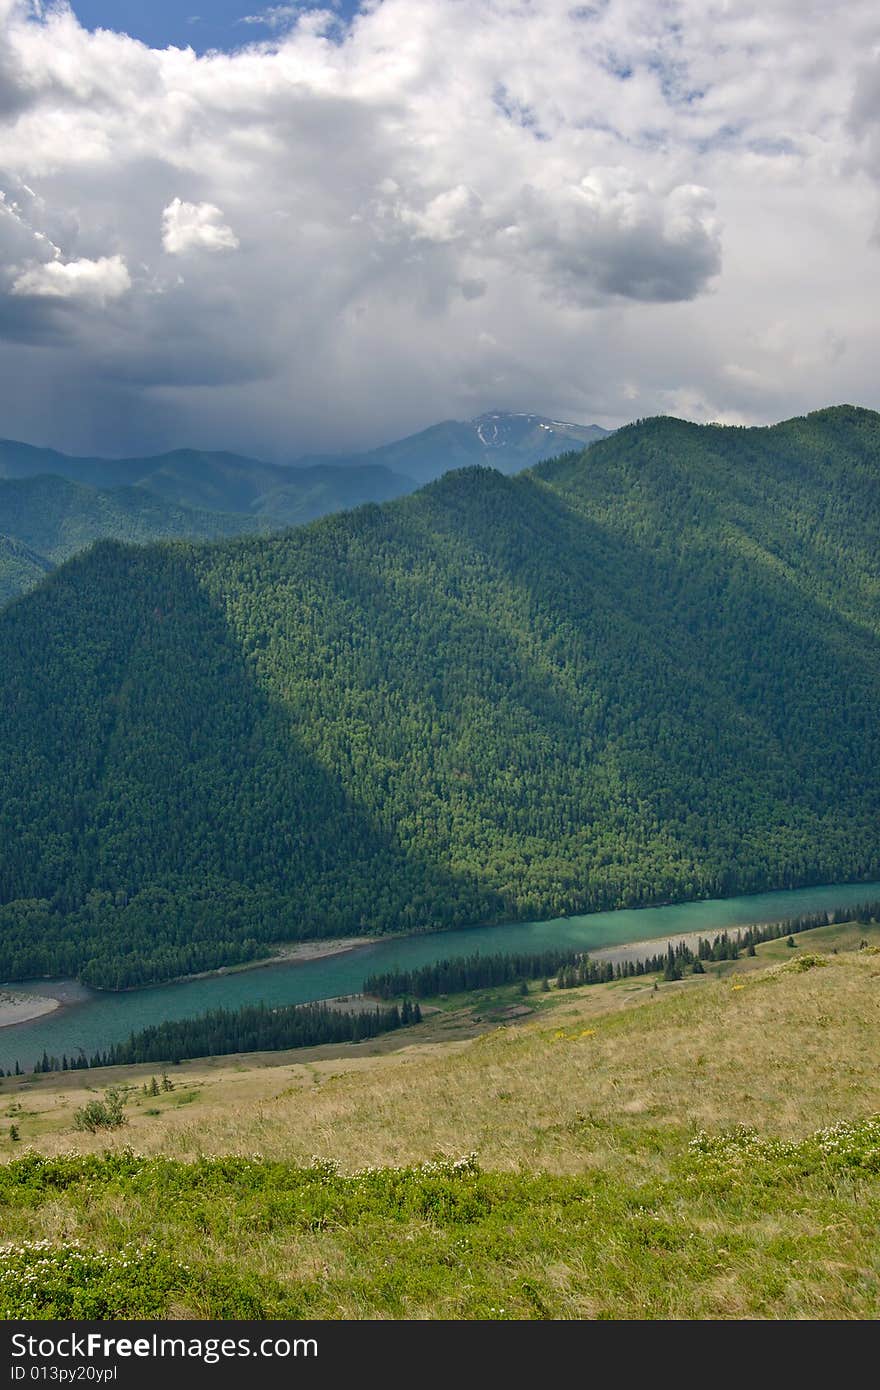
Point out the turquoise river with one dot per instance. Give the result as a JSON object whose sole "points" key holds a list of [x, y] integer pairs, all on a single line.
{"points": [[89, 1020]]}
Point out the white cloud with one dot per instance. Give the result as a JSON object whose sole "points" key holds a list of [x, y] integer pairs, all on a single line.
{"points": [[448, 217], [274, 16], [195, 227], [447, 205], [92, 281], [614, 236]]}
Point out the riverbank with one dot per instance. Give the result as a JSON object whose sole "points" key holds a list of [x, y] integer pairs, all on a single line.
{"points": [[617, 1096], [316, 950], [654, 946], [22, 1008], [285, 954], [89, 1021]]}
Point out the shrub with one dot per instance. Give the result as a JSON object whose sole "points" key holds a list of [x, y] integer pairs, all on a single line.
{"points": [[42, 1280], [101, 1114], [805, 962]]}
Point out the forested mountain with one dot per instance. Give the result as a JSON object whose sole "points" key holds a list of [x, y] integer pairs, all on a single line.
{"points": [[20, 568], [226, 482], [266, 491], [55, 504], [55, 518], [498, 439], [46, 519], [646, 671], [215, 481], [323, 488]]}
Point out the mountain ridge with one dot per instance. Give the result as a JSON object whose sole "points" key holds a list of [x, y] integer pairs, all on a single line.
{"points": [[521, 438], [19, 460], [199, 493], [622, 677]]}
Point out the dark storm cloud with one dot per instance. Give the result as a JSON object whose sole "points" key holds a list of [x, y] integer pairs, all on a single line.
{"points": [[338, 235]]}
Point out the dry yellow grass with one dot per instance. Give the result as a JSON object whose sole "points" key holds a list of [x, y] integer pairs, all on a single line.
{"points": [[586, 1083], [597, 1206]]}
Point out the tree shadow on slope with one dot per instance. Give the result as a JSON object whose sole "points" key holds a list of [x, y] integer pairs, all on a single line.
{"points": [[573, 719], [719, 707], [471, 702], [156, 797]]}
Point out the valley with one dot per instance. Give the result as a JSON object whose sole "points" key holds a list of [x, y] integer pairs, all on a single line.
{"points": [[439, 681], [585, 1159], [623, 678], [628, 695], [88, 1020]]}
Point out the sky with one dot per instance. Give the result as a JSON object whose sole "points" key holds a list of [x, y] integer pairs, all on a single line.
{"points": [[286, 229], [214, 24]]}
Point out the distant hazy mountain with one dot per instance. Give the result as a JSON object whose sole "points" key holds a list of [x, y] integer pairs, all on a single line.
{"points": [[321, 488], [212, 480], [499, 439], [189, 477], [54, 504], [645, 672], [56, 517], [45, 519], [220, 481]]}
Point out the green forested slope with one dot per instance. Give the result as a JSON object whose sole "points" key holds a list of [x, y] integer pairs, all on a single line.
{"points": [[324, 488], [55, 517], [20, 567], [645, 672], [47, 519], [801, 498], [55, 504]]}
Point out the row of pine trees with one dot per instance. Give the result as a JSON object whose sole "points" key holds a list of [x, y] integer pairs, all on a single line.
{"points": [[257, 1027], [253, 1028]]}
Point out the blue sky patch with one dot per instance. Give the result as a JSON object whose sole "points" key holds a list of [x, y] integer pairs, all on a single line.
{"points": [[197, 24]]}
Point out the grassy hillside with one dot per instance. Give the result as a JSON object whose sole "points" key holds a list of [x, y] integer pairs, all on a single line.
{"points": [[588, 1162], [623, 678]]}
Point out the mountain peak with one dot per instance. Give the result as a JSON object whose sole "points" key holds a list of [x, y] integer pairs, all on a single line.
{"points": [[542, 656]]}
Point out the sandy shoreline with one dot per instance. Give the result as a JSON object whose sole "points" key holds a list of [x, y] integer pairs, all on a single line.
{"points": [[314, 950], [295, 953], [643, 949], [21, 1008], [655, 945]]}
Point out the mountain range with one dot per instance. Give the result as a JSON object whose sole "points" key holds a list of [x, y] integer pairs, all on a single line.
{"points": [[499, 439], [53, 504], [643, 672]]}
